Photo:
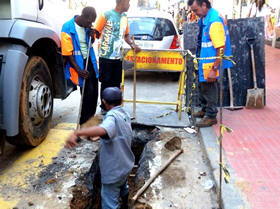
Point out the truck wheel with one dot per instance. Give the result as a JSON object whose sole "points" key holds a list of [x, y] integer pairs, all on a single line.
{"points": [[36, 104]]}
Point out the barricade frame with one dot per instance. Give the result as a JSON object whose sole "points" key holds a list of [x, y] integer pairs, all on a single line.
{"points": [[136, 67]]}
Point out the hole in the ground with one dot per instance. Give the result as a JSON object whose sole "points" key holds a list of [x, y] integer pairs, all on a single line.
{"points": [[87, 192]]}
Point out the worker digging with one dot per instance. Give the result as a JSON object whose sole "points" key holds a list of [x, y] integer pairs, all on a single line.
{"points": [[128, 104]]}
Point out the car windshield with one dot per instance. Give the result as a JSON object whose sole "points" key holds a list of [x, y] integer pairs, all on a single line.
{"points": [[150, 28]]}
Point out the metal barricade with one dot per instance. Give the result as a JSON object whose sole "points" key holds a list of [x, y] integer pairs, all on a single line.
{"points": [[156, 60]]}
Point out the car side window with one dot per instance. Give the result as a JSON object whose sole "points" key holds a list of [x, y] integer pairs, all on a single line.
{"points": [[163, 28], [158, 32], [169, 29], [151, 28]]}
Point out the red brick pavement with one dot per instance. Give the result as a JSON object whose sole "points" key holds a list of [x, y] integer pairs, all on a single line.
{"points": [[253, 149]]}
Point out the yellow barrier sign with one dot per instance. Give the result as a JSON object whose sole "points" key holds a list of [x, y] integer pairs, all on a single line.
{"points": [[157, 60], [167, 60]]}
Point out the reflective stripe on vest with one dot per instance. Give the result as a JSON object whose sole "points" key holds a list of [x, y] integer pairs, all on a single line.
{"points": [[206, 44], [76, 53]]}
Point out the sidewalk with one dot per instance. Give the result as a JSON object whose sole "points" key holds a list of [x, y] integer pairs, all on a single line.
{"points": [[253, 149]]}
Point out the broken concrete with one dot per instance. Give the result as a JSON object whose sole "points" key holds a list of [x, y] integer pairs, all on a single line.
{"points": [[181, 185]]}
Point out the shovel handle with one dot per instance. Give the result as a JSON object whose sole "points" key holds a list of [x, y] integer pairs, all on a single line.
{"points": [[152, 178], [230, 87], [84, 84], [134, 78], [253, 66]]}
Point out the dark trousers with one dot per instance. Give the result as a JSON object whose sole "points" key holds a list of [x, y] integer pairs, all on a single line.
{"points": [[110, 74], [208, 97], [90, 95]]}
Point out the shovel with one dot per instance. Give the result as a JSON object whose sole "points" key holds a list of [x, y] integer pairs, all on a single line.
{"points": [[255, 96], [84, 84], [231, 107]]}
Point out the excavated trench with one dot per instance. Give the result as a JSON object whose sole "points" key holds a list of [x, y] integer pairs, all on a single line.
{"points": [[86, 192], [182, 185]]}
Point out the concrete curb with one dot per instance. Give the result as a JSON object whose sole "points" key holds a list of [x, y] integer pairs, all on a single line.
{"points": [[232, 196]]}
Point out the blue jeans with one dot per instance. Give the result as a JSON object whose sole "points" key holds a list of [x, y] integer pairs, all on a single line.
{"points": [[110, 193]]}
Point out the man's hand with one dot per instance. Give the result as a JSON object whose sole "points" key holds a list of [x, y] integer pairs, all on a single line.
{"points": [[83, 73], [137, 48], [212, 76], [72, 141], [91, 34], [131, 43], [94, 34], [97, 34]]}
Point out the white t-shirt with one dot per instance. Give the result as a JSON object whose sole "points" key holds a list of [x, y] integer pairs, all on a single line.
{"points": [[256, 13], [82, 38]]}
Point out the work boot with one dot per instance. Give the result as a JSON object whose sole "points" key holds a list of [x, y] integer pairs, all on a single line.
{"points": [[206, 122], [199, 114], [124, 203]]}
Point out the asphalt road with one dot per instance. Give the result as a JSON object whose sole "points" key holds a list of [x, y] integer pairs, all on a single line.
{"points": [[150, 86]]}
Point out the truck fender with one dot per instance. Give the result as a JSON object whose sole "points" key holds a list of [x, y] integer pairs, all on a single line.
{"points": [[30, 32], [15, 63]]}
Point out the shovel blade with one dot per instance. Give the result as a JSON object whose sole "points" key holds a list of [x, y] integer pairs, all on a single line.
{"points": [[255, 98]]}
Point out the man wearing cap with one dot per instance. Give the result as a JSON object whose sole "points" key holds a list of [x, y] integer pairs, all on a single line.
{"points": [[116, 157]]}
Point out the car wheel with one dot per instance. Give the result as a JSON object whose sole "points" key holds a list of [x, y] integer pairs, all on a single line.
{"points": [[36, 104]]}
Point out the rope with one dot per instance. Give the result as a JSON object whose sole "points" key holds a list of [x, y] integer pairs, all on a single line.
{"points": [[190, 109], [195, 64]]}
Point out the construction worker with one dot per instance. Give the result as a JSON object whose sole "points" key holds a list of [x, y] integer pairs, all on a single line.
{"points": [[74, 45], [116, 157], [113, 25], [213, 36]]}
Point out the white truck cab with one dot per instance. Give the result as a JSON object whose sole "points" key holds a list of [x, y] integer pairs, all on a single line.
{"points": [[31, 68]]}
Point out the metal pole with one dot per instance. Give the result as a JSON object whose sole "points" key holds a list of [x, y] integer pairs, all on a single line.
{"points": [[221, 122], [240, 15], [134, 80], [84, 84]]}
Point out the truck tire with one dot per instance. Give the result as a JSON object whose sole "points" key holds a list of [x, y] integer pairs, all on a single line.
{"points": [[36, 104]]}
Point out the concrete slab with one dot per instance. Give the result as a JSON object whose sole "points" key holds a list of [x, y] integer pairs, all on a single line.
{"points": [[183, 184]]}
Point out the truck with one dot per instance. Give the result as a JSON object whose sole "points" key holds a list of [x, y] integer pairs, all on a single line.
{"points": [[31, 68]]}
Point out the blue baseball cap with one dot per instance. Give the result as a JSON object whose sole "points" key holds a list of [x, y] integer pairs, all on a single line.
{"points": [[111, 94]]}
